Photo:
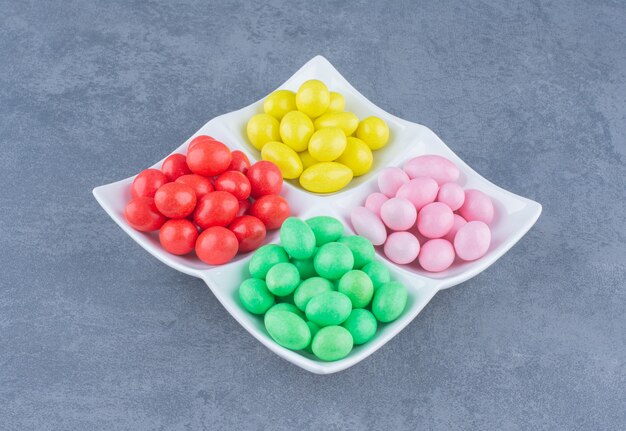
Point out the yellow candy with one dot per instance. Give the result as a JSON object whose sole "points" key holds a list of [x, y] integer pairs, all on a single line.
{"points": [[346, 121], [374, 132], [313, 98], [284, 157], [357, 156], [307, 159], [261, 129], [337, 103], [279, 103], [325, 177], [296, 130], [327, 144]]}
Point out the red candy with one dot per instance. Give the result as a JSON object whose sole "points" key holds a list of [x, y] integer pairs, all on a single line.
{"points": [[210, 200], [142, 214], [272, 210], [200, 185], [178, 236], [250, 232], [147, 183], [216, 245], [265, 179], [175, 166], [240, 162], [235, 183], [208, 158], [175, 200], [217, 208], [201, 138]]}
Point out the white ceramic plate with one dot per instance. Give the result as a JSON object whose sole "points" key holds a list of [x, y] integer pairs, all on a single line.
{"points": [[515, 215]]}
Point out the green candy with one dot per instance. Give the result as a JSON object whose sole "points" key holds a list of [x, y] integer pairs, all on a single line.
{"points": [[305, 267], [314, 328], [282, 279], [361, 324], [357, 286], [329, 308], [297, 238], [285, 306], [285, 299], [326, 229], [332, 343], [377, 272], [266, 257], [389, 301], [288, 329], [333, 260], [310, 288], [254, 296], [361, 248]]}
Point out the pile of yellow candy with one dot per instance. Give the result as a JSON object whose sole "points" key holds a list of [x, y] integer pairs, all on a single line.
{"points": [[308, 135]]}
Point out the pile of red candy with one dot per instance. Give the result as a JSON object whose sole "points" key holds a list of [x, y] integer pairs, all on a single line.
{"points": [[211, 201]]}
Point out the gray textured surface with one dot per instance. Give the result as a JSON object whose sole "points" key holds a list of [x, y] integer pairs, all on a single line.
{"points": [[96, 334]]}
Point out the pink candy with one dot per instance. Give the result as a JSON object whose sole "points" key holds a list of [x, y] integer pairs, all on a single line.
{"points": [[452, 195], [398, 214], [390, 180], [432, 166], [423, 198], [419, 191], [375, 201], [368, 225], [472, 240], [435, 220], [477, 206], [436, 255], [402, 247]]}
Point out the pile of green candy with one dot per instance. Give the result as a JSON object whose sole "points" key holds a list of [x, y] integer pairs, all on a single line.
{"points": [[321, 291]]}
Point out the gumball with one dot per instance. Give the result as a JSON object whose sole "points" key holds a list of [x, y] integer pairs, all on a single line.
{"points": [[235, 183], [200, 138], [147, 183], [398, 214], [432, 166], [217, 208], [390, 180], [375, 201], [209, 158], [175, 166], [419, 191], [435, 220], [402, 247], [272, 210], [216, 245], [200, 185], [243, 207], [452, 195], [477, 207], [472, 240], [142, 214], [239, 162], [175, 200], [265, 179], [178, 236], [456, 225], [436, 255], [368, 225], [250, 232]]}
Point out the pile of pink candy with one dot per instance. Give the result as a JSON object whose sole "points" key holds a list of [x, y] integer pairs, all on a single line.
{"points": [[422, 213]]}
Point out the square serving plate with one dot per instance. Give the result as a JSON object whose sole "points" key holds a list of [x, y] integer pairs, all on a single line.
{"points": [[515, 215]]}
